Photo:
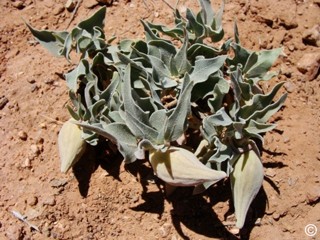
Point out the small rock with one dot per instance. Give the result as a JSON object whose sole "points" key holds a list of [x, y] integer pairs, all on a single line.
{"points": [[23, 135], [14, 232], [309, 65], [18, 4], [70, 5], [50, 201], [90, 3], [31, 80], [58, 8], [165, 230], [270, 172], [276, 216], [35, 149], [258, 222], [107, 2], [49, 81], [288, 22], [312, 36], [34, 87], [58, 183], [27, 163], [234, 231], [289, 87], [32, 201], [313, 194], [3, 102]]}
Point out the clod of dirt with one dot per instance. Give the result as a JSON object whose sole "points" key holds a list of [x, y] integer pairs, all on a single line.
{"points": [[312, 36], [309, 65], [23, 135]]}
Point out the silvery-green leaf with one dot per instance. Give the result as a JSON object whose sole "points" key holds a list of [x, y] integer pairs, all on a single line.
{"points": [[162, 49], [220, 118], [96, 20], [263, 63], [255, 128], [180, 167], [259, 101], [204, 89], [199, 49], [180, 60], [71, 145], [176, 124], [194, 26], [73, 76], [219, 92], [136, 119], [51, 40], [262, 116], [203, 68], [175, 32], [246, 180]]}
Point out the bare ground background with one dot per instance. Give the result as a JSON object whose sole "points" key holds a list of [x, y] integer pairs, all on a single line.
{"points": [[107, 200]]}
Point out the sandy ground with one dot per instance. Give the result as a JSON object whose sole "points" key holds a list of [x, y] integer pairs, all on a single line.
{"points": [[103, 199]]}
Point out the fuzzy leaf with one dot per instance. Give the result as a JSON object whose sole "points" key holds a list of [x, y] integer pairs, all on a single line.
{"points": [[53, 41], [205, 67]]}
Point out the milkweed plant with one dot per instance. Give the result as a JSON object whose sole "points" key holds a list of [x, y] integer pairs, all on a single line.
{"points": [[196, 111]]}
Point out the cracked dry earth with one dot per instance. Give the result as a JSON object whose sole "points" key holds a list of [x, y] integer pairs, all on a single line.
{"points": [[103, 199]]}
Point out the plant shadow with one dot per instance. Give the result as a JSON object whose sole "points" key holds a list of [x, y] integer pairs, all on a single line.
{"points": [[153, 198], [102, 155], [194, 212]]}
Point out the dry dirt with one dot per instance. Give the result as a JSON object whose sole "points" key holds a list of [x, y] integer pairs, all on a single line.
{"points": [[102, 198]]}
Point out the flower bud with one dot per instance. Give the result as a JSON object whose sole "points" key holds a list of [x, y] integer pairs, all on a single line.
{"points": [[246, 181], [180, 167], [71, 145]]}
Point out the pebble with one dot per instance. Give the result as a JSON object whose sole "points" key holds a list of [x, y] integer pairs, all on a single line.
{"points": [[289, 87], [35, 149], [27, 163], [90, 3], [165, 230], [70, 5], [32, 201], [18, 4], [31, 80], [313, 194], [58, 183], [50, 201], [276, 216], [312, 36], [234, 231], [58, 8], [23, 135], [3, 102], [309, 64], [14, 232], [270, 172]]}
